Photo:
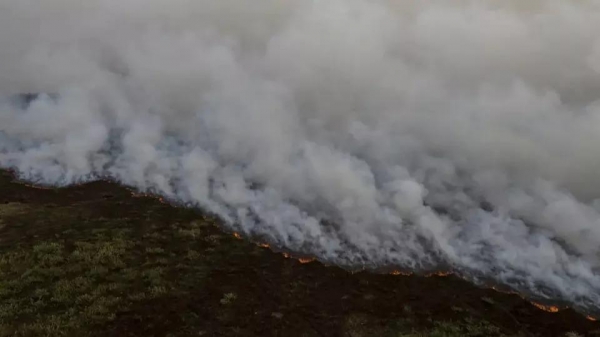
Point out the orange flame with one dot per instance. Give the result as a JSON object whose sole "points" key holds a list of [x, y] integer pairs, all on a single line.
{"points": [[286, 255], [548, 308], [591, 318], [264, 245], [237, 235], [306, 260], [440, 274]]}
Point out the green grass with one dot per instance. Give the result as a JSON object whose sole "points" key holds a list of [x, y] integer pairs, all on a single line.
{"points": [[73, 283], [51, 290]]}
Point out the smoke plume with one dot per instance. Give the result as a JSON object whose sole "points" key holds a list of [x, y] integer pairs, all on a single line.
{"points": [[370, 133]]}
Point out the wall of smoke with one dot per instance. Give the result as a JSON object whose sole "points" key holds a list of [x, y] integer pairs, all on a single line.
{"points": [[413, 134]]}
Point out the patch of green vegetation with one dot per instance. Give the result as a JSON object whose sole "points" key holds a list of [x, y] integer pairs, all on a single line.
{"points": [[77, 282], [572, 334], [11, 208], [358, 325], [50, 290], [228, 298]]}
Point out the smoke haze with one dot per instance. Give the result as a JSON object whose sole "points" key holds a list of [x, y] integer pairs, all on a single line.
{"points": [[411, 134]]}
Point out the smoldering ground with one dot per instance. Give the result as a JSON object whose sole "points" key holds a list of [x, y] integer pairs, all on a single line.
{"points": [[455, 133]]}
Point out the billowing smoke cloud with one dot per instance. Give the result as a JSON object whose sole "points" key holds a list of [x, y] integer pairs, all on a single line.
{"points": [[414, 134]]}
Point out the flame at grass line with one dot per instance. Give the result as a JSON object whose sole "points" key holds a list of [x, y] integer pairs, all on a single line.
{"points": [[543, 307]]}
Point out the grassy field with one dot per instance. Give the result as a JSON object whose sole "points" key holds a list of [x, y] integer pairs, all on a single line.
{"points": [[93, 260]]}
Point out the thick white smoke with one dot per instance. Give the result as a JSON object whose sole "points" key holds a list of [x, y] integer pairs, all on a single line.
{"points": [[415, 134]]}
